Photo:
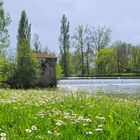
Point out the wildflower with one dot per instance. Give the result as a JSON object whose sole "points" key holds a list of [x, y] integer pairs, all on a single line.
{"points": [[101, 118], [28, 130], [89, 133], [100, 125], [3, 134], [80, 118], [85, 124], [98, 129], [59, 122], [34, 127], [56, 133], [3, 138], [87, 120], [49, 132]]}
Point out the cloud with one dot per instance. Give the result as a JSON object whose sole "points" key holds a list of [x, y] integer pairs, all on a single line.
{"points": [[45, 15]]}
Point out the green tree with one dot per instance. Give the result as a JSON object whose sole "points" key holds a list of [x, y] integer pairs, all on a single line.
{"points": [[26, 74], [64, 42], [4, 42], [81, 37], [59, 71], [100, 39], [105, 59], [121, 53], [4, 22]]}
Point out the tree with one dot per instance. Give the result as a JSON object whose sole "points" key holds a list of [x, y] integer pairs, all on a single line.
{"points": [[81, 38], [4, 22], [64, 42], [101, 39], [36, 43], [4, 42], [106, 61], [121, 53], [26, 74], [58, 71]]}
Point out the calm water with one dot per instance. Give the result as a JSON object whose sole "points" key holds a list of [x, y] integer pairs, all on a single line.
{"points": [[106, 85]]}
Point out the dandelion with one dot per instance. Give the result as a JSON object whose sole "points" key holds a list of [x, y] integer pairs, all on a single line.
{"points": [[89, 133], [34, 127], [28, 130], [3, 134]]}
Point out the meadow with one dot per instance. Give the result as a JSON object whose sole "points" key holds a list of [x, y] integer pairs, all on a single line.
{"points": [[56, 114]]}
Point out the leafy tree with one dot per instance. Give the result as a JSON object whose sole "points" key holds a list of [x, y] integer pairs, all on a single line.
{"points": [[36, 43], [105, 59], [4, 22], [59, 71], [26, 74], [81, 38], [134, 58], [121, 53], [4, 42], [64, 41], [101, 39]]}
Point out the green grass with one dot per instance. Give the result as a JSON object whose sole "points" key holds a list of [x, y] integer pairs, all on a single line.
{"points": [[58, 115]]}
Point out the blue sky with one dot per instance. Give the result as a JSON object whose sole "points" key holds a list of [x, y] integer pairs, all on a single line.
{"points": [[122, 16]]}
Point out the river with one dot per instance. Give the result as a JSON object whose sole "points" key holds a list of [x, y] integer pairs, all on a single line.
{"points": [[130, 86]]}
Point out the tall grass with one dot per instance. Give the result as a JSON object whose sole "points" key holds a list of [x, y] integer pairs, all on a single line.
{"points": [[57, 115]]}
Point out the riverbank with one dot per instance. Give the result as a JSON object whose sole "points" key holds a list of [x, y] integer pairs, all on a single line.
{"points": [[56, 114]]}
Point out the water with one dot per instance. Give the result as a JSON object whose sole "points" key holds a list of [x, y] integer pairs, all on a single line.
{"points": [[130, 86]]}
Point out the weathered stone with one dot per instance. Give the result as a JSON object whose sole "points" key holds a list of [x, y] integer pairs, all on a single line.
{"points": [[48, 70]]}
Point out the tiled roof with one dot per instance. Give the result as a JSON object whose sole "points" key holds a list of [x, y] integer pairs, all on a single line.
{"points": [[43, 55]]}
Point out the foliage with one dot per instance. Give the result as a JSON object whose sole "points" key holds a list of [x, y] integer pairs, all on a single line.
{"points": [[26, 74], [59, 71], [64, 43], [4, 43], [81, 39], [4, 22]]}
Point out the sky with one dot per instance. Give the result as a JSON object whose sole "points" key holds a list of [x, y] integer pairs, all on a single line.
{"points": [[122, 16]]}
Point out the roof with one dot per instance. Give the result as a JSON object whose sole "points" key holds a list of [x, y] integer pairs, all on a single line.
{"points": [[44, 55]]}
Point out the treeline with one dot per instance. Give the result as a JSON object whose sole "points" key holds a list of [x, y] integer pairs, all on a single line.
{"points": [[89, 52]]}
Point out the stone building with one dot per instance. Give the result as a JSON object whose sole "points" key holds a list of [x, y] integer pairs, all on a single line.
{"points": [[47, 69]]}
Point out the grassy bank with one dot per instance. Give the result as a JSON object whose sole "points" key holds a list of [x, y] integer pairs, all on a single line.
{"points": [[55, 114]]}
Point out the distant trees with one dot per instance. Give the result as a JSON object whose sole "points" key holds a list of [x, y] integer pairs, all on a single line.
{"points": [[26, 73], [64, 45]]}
